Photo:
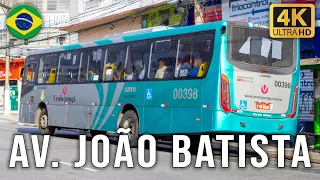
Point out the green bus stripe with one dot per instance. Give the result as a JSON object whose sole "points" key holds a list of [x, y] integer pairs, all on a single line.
{"points": [[71, 47], [101, 97], [106, 107], [103, 42]]}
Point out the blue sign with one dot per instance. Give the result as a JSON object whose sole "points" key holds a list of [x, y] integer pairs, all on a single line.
{"points": [[243, 104], [149, 93]]}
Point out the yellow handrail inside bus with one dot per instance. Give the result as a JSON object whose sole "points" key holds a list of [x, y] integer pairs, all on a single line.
{"points": [[30, 76], [52, 75], [203, 69], [90, 76]]}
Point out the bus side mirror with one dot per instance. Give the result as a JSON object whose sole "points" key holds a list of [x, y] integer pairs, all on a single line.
{"points": [[21, 72]]}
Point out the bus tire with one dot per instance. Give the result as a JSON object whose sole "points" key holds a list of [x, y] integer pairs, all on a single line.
{"points": [[44, 128], [130, 120]]}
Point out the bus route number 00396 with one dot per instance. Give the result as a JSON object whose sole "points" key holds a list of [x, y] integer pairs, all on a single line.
{"points": [[185, 93]]}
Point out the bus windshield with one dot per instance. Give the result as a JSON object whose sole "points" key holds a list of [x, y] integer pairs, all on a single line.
{"points": [[255, 47]]}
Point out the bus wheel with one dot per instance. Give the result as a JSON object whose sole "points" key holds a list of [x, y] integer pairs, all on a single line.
{"points": [[44, 128], [130, 120]]}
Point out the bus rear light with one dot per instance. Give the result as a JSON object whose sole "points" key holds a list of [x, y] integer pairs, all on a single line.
{"points": [[119, 104], [47, 102], [28, 102], [264, 70], [225, 94], [94, 104], [294, 103], [164, 105], [67, 103]]}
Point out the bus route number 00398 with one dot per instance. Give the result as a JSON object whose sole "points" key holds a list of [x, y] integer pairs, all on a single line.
{"points": [[185, 93]]}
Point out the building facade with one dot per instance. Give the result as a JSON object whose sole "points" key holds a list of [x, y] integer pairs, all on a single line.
{"points": [[94, 19], [55, 14]]}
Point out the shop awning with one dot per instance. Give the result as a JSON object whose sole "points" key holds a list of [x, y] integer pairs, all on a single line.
{"points": [[106, 19], [13, 60], [313, 63]]}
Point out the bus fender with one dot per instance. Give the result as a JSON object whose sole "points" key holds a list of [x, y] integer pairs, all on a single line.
{"points": [[126, 108], [41, 105]]}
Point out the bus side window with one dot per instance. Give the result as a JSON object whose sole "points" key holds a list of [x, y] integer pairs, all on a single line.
{"points": [[94, 65], [47, 69], [138, 52], [195, 54], [163, 58], [69, 67], [30, 71], [114, 64]]}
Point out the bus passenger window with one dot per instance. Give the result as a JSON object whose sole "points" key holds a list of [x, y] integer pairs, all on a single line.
{"points": [[30, 71], [113, 70], [47, 70], [162, 64], [69, 67], [94, 65], [139, 53], [196, 53]]}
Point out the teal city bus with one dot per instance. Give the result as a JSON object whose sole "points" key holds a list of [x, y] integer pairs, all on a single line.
{"points": [[221, 77]]}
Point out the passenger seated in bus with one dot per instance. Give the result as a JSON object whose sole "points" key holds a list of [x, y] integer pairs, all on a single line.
{"points": [[176, 73], [130, 74], [117, 75], [196, 66], [161, 70], [185, 68], [142, 72], [82, 75], [30, 74]]}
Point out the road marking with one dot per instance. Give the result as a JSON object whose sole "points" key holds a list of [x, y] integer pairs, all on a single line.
{"points": [[3, 121], [88, 169]]}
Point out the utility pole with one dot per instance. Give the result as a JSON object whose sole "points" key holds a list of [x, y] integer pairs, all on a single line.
{"points": [[7, 104]]}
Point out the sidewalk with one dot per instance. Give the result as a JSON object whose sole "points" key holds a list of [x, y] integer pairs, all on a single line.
{"points": [[13, 117]]}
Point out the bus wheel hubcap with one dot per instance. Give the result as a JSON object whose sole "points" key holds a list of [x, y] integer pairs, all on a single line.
{"points": [[128, 123], [43, 121]]}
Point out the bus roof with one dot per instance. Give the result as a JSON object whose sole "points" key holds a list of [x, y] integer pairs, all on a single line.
{"points": [[138, 35]]}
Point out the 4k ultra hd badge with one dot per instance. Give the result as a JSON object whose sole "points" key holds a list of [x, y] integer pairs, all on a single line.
{"points": [[24, 21], [292, 20]]}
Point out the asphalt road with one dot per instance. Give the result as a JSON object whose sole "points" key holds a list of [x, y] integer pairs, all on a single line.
{"points": [[64, 148]]}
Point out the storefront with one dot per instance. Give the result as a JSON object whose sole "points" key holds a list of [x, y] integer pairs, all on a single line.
{"points": [[16, 66], [168, 15], [98, 28]]}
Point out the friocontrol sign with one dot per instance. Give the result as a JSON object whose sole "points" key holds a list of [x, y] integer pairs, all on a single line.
{"points": [[24, 21]]}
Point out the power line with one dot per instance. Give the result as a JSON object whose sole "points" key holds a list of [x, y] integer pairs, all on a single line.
{"points": [[4, 6], [86, 29], [44, 39], [94, 12]]}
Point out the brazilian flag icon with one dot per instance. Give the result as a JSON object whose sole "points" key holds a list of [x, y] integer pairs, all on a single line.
{"points": [[24, 21]]}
